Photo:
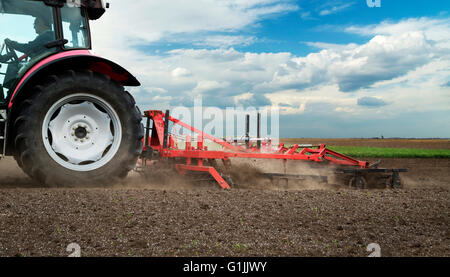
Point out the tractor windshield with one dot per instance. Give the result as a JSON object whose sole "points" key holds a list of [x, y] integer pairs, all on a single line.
{"points": [[75, 28], [26, 27]]}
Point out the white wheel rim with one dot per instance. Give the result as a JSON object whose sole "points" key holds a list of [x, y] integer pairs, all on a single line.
{"points": [[81, 132]]}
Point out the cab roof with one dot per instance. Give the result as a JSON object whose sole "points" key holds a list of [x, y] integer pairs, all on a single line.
{"points": [[95, 8]]}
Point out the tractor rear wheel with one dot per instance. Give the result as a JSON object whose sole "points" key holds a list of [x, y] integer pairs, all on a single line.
{"points": [[78, 128]]}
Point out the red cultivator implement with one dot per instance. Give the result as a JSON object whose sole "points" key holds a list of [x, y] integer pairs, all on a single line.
{"points": [[160, 145]]}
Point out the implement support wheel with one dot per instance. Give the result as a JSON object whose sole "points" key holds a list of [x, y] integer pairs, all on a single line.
{"points": [[357, 181]]}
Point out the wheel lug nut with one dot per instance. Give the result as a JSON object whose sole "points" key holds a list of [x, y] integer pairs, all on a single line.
{"points": [[82, 140]]}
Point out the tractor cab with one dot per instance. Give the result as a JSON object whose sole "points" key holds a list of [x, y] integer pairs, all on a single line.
{"points": [[32, 30]]}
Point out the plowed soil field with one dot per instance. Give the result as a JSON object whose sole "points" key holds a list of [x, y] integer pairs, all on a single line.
{"points": [[173, 217]]}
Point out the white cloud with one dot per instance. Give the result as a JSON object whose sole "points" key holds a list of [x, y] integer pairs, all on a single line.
{"points": [[373, 102], [156, 90], [335, 46], [242, 97], [145, 21], [405, 63], [180, 72], [220, 41], [333, 7], [306, 15], [206, 86], [394, 50], [218, 75]]}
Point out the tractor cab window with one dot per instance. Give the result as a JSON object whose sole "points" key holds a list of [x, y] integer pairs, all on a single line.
{"points": [[75, 28], [26, 27]]}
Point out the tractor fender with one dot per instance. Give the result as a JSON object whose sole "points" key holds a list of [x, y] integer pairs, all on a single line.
{"points": [[75, 59]]}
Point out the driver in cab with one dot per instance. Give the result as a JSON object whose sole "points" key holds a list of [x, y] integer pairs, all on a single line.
{"points": [[33, 48]]}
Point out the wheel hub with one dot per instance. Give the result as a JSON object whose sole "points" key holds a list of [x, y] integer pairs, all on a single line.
{"points": [[83, 132]]}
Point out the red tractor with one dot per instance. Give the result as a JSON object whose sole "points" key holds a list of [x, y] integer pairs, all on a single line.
{"points": [[67, 119], [65, 115]]}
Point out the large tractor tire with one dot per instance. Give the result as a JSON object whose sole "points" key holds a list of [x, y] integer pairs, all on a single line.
{"points": [[78, 128]]}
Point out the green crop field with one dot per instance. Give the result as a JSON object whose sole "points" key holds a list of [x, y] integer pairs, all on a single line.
{"points": [[379, 152]]}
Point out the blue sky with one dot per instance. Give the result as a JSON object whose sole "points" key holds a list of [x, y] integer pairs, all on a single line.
{"points": [[334, 68]]}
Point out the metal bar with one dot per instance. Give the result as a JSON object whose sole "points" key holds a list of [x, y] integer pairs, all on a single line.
{"points": [[147, 133], [172, 153], [341, 162], [258, 132], [395, 181], [370, 170], [157, 137], [297, 176], [166, 129], [199, 143], [216, 140], [339, 155], [247, 131], [211, 170], [188, 147], [358, 179], [292, 150]]}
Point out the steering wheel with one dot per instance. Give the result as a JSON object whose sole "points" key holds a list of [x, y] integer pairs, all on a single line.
{"points": [[11, 53]]}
